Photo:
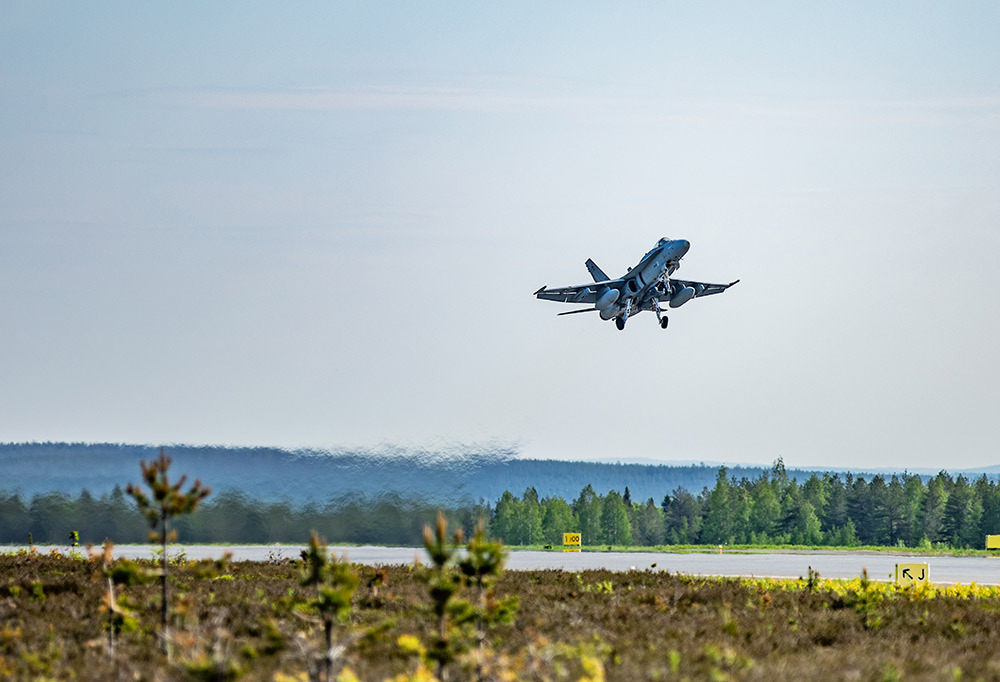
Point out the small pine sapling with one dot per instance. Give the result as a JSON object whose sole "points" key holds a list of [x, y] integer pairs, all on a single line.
{"points": [[482, 566], [165, 501], [445, 583], [335, 582]]}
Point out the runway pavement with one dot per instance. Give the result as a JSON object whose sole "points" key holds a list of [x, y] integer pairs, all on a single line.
{"points": [[982, 570]]}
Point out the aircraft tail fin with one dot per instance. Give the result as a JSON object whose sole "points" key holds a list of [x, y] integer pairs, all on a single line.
{"points": [[596, 272]]}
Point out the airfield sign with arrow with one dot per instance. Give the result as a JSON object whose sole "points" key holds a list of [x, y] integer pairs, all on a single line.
{"points": [[913, 574]]}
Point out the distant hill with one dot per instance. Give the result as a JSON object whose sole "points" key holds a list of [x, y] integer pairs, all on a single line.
{"points": [[301, 475]]}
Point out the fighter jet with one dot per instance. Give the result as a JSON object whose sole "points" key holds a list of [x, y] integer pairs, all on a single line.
{"points": [[643, 287]]}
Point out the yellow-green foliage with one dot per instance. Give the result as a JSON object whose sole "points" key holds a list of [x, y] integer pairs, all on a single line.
{"points": [[881, 590]]}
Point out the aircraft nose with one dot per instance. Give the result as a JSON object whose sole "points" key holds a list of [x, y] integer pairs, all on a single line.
{"points": [[684, 245]]}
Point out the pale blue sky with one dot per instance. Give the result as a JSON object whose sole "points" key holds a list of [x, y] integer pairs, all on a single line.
{"points": [[321, 225]]}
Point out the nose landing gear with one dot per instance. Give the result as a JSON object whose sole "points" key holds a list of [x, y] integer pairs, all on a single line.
{"points": [[620, 323], [663, 322]]}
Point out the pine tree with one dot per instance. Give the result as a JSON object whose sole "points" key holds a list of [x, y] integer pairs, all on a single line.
{"points": [[765, 511], [652, 524], [836, 503], [504, 518], [896, 512], [481, 567], [614, 521], [858, 508], [682, 519], [814, 492], [718, 527], [876, 509], [739, 511], [166, 502], [587, 508], [779, 477], [791, 502], [334, 582], [958, 513], [914, 491], [445, 584], [931, 517], [528, 519]]}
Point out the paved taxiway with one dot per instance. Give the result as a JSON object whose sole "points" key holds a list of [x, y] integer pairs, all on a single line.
{"points": [[982, 570]]}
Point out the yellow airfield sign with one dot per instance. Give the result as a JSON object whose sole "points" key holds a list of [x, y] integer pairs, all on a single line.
{"points": [[913, 574], [571, 542], [993, 542]]}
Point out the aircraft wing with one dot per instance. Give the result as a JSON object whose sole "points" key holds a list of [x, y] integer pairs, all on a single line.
{"points": [[584, 293], [703, 288]]}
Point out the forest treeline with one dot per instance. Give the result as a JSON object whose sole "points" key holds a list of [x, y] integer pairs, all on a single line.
{"points": [[771, 508], [229, 517]]}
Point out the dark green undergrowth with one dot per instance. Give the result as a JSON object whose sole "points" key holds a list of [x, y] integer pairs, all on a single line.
{"points": [[244, 621]]}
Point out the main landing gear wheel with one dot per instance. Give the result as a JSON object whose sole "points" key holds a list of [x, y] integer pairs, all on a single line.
{"points": [[663, 322], [620, 323]]}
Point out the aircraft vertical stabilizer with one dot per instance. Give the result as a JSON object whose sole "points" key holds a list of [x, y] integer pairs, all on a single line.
{"points": [[596, 272]]}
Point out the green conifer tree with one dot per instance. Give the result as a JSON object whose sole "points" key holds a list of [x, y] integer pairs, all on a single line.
{"points": [[164, 502], [504, 518], [960, 513], [718, 527], [765, 511], [614, 520], [334, 581], [587, 508], [652, 524], [930, 520]]}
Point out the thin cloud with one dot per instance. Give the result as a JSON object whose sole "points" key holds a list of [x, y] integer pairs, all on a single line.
{"points": [[374, 98], [651, 107]]}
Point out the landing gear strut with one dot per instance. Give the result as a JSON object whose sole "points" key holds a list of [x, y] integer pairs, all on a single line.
{"points": [[660, 317]]}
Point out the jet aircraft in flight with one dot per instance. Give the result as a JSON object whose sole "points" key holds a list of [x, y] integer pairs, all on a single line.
{"points": [[643, 287]]}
